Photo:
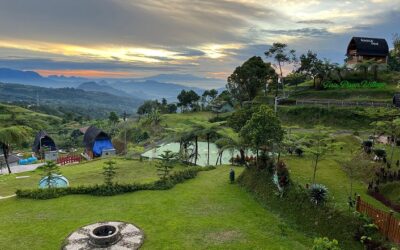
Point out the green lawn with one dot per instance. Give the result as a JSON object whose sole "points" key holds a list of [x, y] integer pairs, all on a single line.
{"points": [[174, 120], [204, 213], [331, 174], [84, 174]]}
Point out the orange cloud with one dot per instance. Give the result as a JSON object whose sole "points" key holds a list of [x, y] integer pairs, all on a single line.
{"points": [[85, 73]]}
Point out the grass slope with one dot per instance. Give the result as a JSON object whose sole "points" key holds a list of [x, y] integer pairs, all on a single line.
{"points": [[13, 115], [204, 213]]}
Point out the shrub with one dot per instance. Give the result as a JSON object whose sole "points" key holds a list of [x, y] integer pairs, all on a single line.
{"points": [[325, 244], [318, 194], [167, 163], [283, 174], [109, 172], [381, 153], [299, 152]]}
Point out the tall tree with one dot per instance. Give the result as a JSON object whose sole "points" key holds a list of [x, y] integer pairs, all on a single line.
{"points": [[208, 130], [14, 135], [310, 65], [247, 80], [188, 99], [281, 55], [263, 130], [319, 144], [394, 55]]}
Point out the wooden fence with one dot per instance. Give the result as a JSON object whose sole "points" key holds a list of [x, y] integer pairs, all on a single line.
{"points": [[63, 160], [387, 224], [338, 103]]}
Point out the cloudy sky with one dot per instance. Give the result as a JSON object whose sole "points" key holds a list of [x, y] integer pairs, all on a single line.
{"points": [[207, 38]]}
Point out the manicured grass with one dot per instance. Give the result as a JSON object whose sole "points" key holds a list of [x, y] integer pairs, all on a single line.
{"points": [[204, 213], [331, 174], [85, 174], [174, 120]]}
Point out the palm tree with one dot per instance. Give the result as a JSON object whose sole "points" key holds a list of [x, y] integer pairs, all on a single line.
{"points": [[226, 143], [209, 130], [12, 135]]}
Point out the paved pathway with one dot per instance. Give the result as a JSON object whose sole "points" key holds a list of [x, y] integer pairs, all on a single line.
{"points": [[21, 168], [6, 197]]}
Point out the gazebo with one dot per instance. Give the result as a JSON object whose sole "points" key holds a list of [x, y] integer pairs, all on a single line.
{"points": [[97, 143]]}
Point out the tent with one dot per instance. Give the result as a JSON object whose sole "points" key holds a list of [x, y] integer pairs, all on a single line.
{"points": [[43, 141], [396, 100], [96, 141]]}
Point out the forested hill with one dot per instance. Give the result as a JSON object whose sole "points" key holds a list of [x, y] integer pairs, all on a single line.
{"points": [[63, 100]]}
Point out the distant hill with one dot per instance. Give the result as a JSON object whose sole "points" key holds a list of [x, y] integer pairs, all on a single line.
{"points": [[153, 87], [95, 87], [31, 78], [182, 79], [150, 89], [85, 103]]}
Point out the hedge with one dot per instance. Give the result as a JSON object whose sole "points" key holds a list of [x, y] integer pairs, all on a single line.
{"points": [[109, 190]]}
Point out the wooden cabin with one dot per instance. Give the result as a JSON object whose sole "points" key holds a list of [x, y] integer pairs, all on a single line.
{"points": [[364, 48]]}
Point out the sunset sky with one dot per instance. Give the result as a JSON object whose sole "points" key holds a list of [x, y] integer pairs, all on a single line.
{"points": [[135, 38]]}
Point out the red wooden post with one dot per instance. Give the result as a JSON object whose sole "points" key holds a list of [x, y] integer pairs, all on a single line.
{"points": [[388, 223], [358, 201]]}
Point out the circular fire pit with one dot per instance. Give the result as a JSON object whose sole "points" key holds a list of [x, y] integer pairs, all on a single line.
{"points": [[104, 236], [110, 235]]}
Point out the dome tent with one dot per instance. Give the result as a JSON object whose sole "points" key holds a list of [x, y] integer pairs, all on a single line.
{"points": [[42, 141], [96, 141]]}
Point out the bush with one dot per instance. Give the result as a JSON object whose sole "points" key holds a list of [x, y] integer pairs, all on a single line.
{"points": [[325, 244], [283, 174], [299, 152], [114, 188], [318, 194], [381, 153]]}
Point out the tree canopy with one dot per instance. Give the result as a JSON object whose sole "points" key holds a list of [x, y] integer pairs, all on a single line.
{"points": [[247, 80], [188, 100], [263, 130]]}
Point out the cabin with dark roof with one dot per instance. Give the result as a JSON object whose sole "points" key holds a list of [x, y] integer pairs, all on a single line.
{"points": [[97, 143], [44, 146], [364, 48]]}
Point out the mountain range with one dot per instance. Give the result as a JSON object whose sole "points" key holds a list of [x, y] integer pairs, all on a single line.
{"points": [[59, 101], [153, 87]]}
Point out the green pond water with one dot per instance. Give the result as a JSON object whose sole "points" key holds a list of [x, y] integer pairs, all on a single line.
{"points": [[202, 158]]}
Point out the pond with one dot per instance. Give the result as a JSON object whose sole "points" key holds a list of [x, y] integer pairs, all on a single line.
{"points": [[202, 158]]}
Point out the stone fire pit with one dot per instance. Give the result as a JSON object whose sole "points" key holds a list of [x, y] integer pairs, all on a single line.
{"points": [[107, 235]]}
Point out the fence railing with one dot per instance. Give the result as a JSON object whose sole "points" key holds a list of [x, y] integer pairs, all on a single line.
{"points": [[63, 160], [337, 103], [387, 224]]}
